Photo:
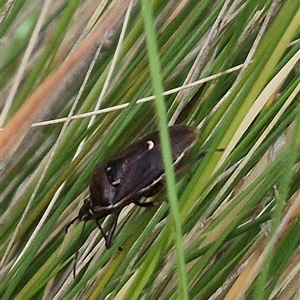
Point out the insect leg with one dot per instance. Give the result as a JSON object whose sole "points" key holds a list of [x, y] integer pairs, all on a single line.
{"points": [[102, 231], [148, 204], [144, 204], [112, 230]]}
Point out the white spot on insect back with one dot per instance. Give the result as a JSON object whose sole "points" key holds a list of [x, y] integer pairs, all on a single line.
{"points": [[150, 145], [116, 182]]}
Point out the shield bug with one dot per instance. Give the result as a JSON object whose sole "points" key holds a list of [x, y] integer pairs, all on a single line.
{"points": [[136, 172]]}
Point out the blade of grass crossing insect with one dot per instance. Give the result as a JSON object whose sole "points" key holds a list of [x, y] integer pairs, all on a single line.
{"points": [[165, 140]]}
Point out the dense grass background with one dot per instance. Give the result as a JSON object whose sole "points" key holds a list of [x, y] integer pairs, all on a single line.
{"points": [[76, 87]]}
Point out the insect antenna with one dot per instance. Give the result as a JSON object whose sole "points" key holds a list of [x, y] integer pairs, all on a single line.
{"points": [[71, 223], [77, 250]]}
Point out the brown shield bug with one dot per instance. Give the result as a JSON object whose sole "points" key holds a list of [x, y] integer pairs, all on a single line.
{"points": [[136, 172]]}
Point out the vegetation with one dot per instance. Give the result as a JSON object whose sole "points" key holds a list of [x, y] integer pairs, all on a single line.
{"points": [[76, 88]]}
